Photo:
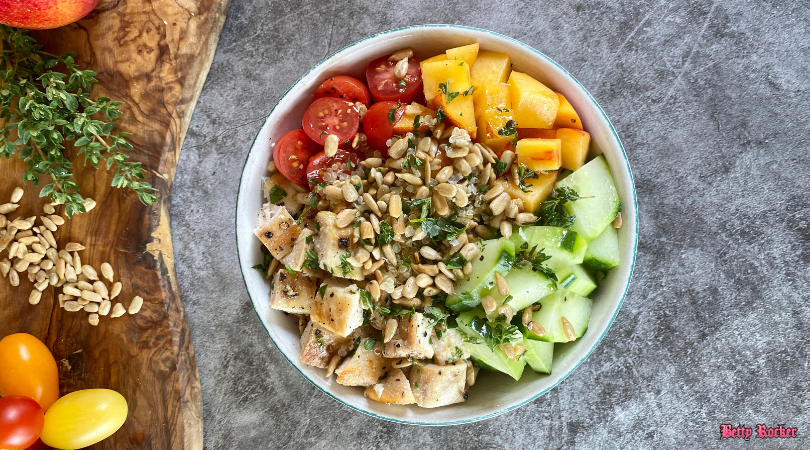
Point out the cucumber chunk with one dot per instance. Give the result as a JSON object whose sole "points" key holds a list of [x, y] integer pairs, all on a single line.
{"points": [[525, 287], [594, 214], [497, 256], [563, 304], [576, 279], [565, 247], [603, 252], [539, 355], [494, 360]]}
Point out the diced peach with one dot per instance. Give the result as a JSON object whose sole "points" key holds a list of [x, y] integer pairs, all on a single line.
{"points": [[466, 53], [492, 112], [539, 189], [574, 147], [535, 104], [406, 123], [490, 68], [539, 154], [457, 104], [567, 117], [536, 133]]}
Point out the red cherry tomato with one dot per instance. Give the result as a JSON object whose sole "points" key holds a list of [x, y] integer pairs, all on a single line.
{"points": [[320, 162], [385, 86], [21, 422], [27, 368], [38, 445], [377, 124], [345, 87], [291, 155], [329, 115]]}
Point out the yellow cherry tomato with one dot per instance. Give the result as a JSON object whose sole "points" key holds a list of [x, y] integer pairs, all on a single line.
{"points": [[83, 418]]}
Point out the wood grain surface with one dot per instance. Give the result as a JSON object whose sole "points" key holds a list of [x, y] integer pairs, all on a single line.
{"points": [[153, 55]]}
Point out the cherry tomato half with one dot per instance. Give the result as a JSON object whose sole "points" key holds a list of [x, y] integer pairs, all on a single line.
{"points": [[345, 87], [385, 86], [82, 418], [377, 123], [329, 115], [21, 422], [318, 164], [291, 155], [27, 368]]}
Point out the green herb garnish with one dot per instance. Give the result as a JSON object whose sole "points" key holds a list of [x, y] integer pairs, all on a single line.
{"points": [[552, 211], [386, 233], [440, 116], [456, 262], [500, 167], [275, 194], [48, 109], [345, 266], [312, 260], [523, 173]]}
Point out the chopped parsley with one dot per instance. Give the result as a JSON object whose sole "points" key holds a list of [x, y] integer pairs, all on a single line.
{"points": [[265, 265], [534, 258], [523, 173], [441, 229], [423, 204], [411, 161], [345, 266], [402, 83], [312, 259], [445, 87], [552, 211], [365, 298], [275, 194], [386, 233], [496, 334], [509, 129], [435, 315], [322, 290], [417, 121], [469, 91], [440, 116], [368, 344], [500, 167], [289, 269], [456, 262], [392, 113], [312, 199]]}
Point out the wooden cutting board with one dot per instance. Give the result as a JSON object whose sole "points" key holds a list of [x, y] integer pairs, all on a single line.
{"points": [[153, 55]]}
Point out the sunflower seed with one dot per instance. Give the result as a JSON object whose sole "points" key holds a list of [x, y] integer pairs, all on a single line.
{"points": [[346, 218], [118, 310], [424, 280], [107, 271], [8, 207], [503, 287], [494, 192], [57, 220], [617, 222], [48, 223], [14, 278], [93, 319], [488, 303], [70, 274], [16, 195], [74, 247], [136, 304], [89, 204], [525, 218], [390, 328], [115, 290], [506, 228], [91, 307], [77, 263], [401, 54], [90, 272], [499, 203], [104, 308], [330, 145], [73, 306], [430, 253], [35, 297], [349, 192], [444, 283], [21, 224]]}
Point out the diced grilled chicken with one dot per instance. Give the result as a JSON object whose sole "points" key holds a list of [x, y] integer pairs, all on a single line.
{"points": [[277, 230], [318, 346], [338, 307], [365, 367], [450, 348], [411, 339], [295, 259], [395, 389], [283, 194], [292, 293], [334, 247], [435, 385]]}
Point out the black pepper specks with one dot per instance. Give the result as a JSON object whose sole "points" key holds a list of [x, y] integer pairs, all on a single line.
{"points": [[268, 234], [343, 242]]}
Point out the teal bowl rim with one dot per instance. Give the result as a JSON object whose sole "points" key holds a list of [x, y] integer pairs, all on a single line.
{"points": [[635, 236]]}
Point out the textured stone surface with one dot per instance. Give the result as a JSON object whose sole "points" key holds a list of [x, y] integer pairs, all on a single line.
{"points": [[710, 100]]}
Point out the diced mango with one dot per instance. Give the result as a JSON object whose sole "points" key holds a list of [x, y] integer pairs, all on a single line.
{"points": [[539, 154], [567, 117], [490, 68], [406, 123], [574, 144], [536, 133], [453, 77], [441, 57], [574, 147], [535, 104], [492, 112], [539, 189], [466, 53]]}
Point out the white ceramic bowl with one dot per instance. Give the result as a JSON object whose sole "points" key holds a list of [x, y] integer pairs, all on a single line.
{"points": [[493, 393]]}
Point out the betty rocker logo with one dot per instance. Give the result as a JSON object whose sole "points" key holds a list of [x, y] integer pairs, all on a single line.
{"points": [[763, 431]]}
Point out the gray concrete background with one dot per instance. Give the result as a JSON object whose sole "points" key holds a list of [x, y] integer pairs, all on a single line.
{"points": [[711, 102]]}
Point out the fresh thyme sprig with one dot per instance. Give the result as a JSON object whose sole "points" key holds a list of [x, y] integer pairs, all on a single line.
{"points": [[44, 109], [552, 211]]}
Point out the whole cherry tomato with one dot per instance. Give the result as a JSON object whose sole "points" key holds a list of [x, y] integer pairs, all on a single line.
{"points": [[21, 421], [292, 153], [378, 123], [345, 87], [83, 418], [27, 368], [328, 115], [345, 161], [385, 86]]}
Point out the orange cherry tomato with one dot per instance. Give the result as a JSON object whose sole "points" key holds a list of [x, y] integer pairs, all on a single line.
{"points": [[27, 368]]}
